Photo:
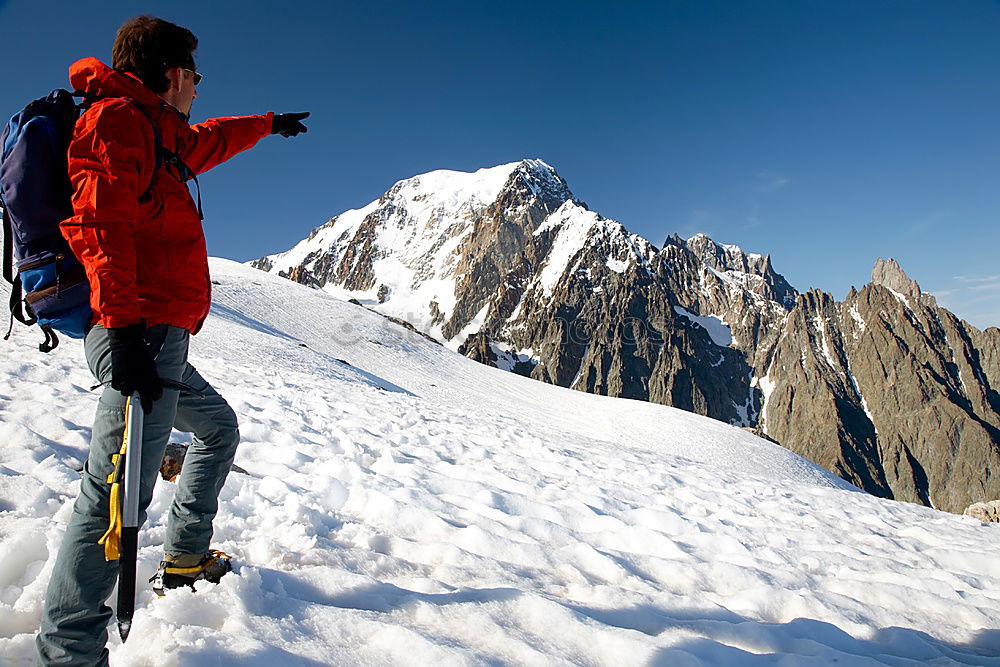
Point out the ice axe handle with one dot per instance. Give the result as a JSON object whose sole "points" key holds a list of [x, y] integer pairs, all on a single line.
{"points": [[130, 515], [133, 462]]}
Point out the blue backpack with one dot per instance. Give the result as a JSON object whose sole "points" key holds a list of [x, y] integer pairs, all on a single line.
{"points": [[50, 287]]}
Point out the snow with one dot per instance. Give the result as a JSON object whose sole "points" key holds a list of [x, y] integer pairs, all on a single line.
{"points": [[864, 403], [576, 378], [850, 373], [899, 296], [428, 217], [736, 251], [617, 265], [716, 327], [325, 237], [853, 310], [739, 283], [743, 412], [820, 325], [574, 225], [450, 189], [507, 359], [474, 325], [766, 386], [410, 506]]}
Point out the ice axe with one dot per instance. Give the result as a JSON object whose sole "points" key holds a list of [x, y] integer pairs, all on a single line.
{"points": [[121, 539], [132, 450]]}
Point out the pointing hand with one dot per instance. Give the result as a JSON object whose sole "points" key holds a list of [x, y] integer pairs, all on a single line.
{"points": [[289, 124]]}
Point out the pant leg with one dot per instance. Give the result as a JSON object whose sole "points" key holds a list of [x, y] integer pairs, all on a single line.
{"points": [[75, 615], [207, 462]]}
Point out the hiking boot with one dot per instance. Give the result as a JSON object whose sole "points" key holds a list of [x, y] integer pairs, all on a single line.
{"points": [[184, 570]]}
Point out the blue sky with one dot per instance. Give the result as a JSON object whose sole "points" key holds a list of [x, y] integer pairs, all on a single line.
{"points": [[824, 133]]}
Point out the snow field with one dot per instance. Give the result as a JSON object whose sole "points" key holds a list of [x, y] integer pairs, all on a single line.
{"points": [[404, 505], [717, 329]]}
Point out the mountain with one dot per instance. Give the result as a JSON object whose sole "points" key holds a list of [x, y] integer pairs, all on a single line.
{"points": [[402, 504], [885, 389]]}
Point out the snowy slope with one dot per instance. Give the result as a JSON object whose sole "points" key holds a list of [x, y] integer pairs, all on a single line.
{"points": [[411, 506]]}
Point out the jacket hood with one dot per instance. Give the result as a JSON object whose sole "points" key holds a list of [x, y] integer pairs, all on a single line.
{"points": [[92, 76]]}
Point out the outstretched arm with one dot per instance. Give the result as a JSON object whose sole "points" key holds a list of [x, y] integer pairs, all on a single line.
{"points": [[211, 143]]}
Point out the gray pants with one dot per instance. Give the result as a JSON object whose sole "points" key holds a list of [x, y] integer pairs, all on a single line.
{"points": [[75, 617]]}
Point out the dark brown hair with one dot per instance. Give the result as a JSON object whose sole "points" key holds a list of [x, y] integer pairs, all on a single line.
{"points": [[147, 46]]}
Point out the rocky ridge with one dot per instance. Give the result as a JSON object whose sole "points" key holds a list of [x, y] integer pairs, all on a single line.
{"points": [[886, 389]]}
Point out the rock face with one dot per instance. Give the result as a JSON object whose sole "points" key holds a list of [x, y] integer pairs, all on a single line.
{"points": [[985, 512], [886, 389]]}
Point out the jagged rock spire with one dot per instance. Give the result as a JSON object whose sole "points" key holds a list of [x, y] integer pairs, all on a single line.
{"points": [[888, 273]]}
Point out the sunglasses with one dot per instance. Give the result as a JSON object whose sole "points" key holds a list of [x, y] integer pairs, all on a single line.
{"points": [[197, 75]]}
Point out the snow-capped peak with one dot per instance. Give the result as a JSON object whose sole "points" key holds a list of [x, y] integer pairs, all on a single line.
{"points": [[453, 190]]}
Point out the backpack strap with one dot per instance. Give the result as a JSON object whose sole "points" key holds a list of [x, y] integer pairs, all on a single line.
{"points": [[17, 311], [171, 159], [8, 269], [51, 341], [8, 245], [158, 150]]}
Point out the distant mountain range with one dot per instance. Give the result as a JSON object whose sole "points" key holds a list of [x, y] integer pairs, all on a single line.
{"points": [[886, 389]]}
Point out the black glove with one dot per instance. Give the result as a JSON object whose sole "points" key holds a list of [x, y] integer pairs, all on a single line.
{"points": [[132, 365], [289, 124]]}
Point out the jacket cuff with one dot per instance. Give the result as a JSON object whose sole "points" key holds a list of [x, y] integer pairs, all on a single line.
{"points": [[269, 118]]}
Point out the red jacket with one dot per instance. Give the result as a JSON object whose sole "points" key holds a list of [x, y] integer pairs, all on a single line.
{"points": [[138, 233]]}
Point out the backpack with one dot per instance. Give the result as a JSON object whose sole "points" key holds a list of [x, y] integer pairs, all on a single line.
{"points": [[50, 287]]}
